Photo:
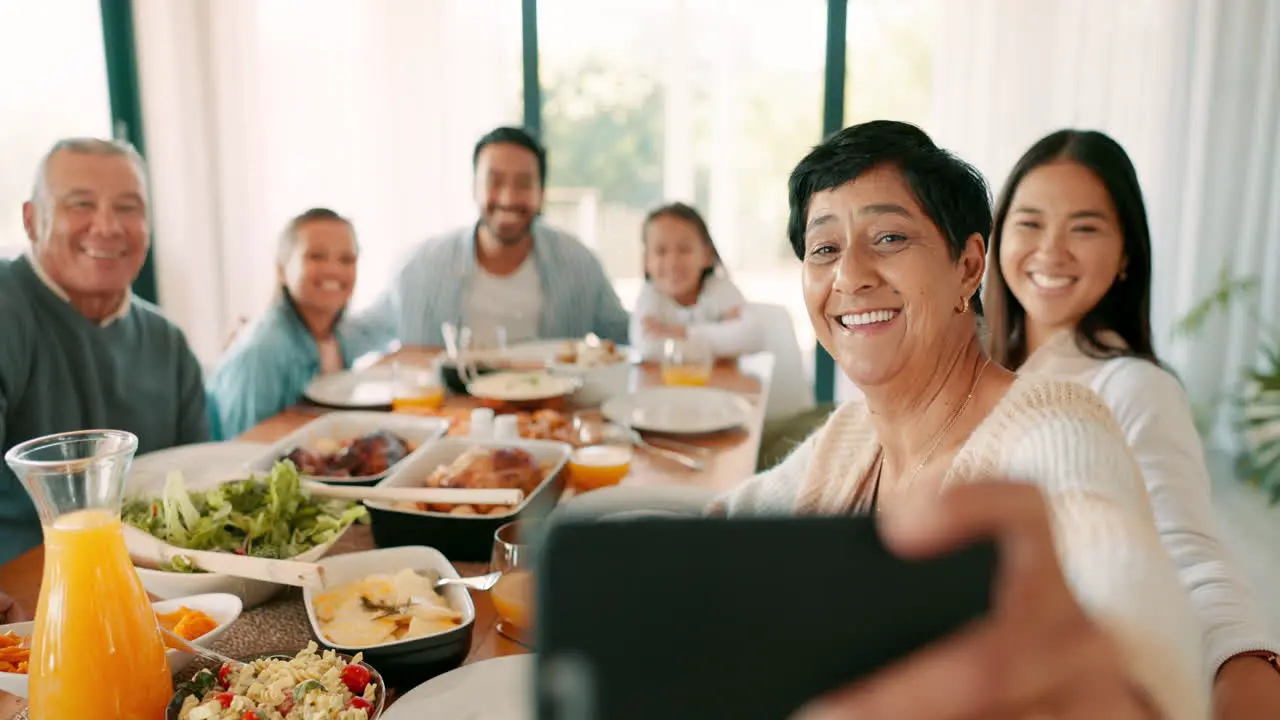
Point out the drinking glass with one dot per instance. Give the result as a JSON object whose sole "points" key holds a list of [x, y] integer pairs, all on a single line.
{"points": [[513, 594], [415, 388], [96, 647], [686, 361], [474, 349], [602, 452]]}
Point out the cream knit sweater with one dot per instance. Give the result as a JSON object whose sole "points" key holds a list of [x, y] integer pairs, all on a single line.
{"points": [[1061, 437]]}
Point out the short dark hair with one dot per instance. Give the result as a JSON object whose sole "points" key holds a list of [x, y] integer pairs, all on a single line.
{"points": [[514, 136], [951, 191], [1125, 309], [289, 237], [689, 214]]}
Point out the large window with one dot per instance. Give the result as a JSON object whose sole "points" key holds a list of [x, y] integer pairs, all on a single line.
{"points": [[710, 102], [889, 61], [53, 84], [889, 56], [257, 111]]}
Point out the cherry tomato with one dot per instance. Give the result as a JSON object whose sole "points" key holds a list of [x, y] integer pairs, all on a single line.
{"points": [[252, 715], [225, 698], [359, 703], [355, 677], [223, 673], [285, 706]]}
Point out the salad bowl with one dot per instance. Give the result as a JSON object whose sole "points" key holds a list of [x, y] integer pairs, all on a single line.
{"points": [[267, 518], [201, 679]]}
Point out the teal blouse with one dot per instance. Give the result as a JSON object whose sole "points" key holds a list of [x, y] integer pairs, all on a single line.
{"points": [[267, 368]]}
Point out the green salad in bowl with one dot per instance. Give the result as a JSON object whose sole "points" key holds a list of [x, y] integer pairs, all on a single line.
{"points": [[271, 517]]}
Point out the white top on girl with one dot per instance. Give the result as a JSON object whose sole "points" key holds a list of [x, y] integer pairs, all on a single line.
{"points": [[685, 293], [720, 317]]}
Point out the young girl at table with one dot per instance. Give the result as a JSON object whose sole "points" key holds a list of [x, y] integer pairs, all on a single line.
{"points": [[686, 291], [302, 334]]}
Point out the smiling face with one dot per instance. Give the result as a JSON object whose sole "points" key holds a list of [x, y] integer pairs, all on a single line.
{"points": [[508, 190], [880, 284], [1061, 247], [321, 270], [675, 257], [89, 227]]}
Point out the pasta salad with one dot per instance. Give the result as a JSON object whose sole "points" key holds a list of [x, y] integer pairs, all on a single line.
{"points": [[309, 686]]}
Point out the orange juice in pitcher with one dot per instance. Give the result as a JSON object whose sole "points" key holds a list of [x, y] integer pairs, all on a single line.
{"points": [[96, 648]]}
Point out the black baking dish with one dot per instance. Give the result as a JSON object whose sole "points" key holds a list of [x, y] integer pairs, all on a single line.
{"points": [[463, 538]]}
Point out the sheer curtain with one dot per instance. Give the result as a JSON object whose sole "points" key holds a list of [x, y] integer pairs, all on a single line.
{"points": [[256, 110], [1191, 88]]}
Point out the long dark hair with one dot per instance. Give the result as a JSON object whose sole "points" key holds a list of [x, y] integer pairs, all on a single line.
{"points": [[1125, 309], [689, 214]]}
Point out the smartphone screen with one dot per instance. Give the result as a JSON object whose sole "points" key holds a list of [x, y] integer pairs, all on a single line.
{"points": [[733, 618]]}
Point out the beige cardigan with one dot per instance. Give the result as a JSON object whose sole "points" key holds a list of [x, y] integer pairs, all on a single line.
{"points": [[1061, 437]]}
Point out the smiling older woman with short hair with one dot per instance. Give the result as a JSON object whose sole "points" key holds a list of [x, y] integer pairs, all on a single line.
{"points": [[892, 231]]}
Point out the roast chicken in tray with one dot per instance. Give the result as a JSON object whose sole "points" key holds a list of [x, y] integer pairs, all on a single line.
{"points": [[486, 468]]}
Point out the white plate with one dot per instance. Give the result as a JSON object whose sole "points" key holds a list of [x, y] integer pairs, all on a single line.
{"points": [[497, 689], [678, 410], [224, 609], [421, 430], [522, 386], [634, 500], [370, 388], [350, 567], [201, 465]]}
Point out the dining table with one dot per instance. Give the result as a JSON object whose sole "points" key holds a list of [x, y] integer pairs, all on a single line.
{"points": [[728, 459]]}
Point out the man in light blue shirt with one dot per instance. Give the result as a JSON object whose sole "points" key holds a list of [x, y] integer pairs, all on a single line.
{"points": [[509, 274]]}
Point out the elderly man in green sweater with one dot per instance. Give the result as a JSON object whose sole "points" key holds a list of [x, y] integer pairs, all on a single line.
{"points": [[77, 349]]}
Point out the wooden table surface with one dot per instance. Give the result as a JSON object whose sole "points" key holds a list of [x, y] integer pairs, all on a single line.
{"points": [[732, 461]]}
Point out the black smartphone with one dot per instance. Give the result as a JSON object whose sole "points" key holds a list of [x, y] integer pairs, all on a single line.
{"points": [[733, 618]]}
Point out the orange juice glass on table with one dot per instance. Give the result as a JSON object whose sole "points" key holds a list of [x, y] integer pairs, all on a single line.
{"points": [[686, 361], [513, 594], [96, 649], [415, 389], [602, 456]]}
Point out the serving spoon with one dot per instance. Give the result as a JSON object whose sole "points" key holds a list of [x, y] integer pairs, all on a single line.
{"points": [[204, 652]]}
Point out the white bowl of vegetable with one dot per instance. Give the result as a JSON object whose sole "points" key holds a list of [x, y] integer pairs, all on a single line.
{"points": [[269, 516]]}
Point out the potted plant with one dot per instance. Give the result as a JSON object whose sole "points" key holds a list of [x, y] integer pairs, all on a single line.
{"points": [[1258, 400]]}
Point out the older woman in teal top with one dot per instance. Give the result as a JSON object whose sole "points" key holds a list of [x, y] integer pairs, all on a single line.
{"points": [[302, 335]]}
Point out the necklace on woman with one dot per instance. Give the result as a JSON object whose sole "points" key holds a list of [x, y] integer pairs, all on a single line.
{"points": [[933, 446]]}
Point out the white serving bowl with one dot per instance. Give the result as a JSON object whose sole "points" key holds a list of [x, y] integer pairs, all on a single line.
{"points": [[350, 567], [599, 382], [170, 585], [223, 608]]}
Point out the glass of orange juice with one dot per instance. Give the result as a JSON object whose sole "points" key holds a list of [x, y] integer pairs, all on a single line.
{"points": [[602, 453], [82, 666], [512, 595], [686, 361], [415, 388]]}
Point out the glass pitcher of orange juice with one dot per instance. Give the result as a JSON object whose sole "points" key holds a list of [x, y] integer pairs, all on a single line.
{"points": [[96, 648]]}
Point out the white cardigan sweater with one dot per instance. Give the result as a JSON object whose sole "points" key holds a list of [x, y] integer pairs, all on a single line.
{"points": [[1062, 438], [1153, 412]]}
